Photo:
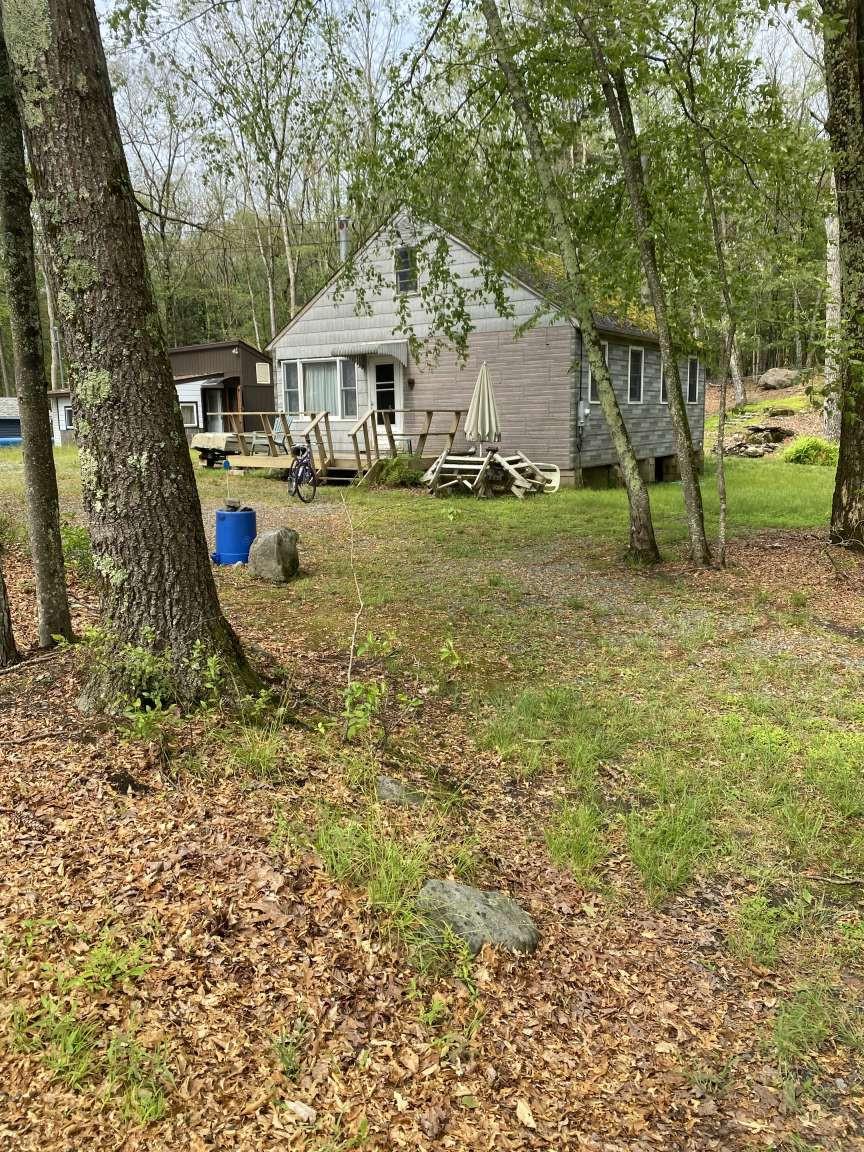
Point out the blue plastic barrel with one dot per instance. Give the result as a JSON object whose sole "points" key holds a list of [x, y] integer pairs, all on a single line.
{"points": [[235, 531]]}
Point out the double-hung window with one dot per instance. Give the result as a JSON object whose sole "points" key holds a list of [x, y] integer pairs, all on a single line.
{"points": [[636, 375], [693, 380], [68, 417], [291, 387], [593, 391], [319, 386], [406, 269], [189, 412]]}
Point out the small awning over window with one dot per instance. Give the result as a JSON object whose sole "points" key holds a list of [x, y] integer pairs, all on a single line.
{"points": [[398, 349]]}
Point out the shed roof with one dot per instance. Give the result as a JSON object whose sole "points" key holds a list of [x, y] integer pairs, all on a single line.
{"points": [[218, 344]]}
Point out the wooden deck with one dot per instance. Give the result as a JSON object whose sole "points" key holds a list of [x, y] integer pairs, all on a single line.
{"points": [[373, 439]]}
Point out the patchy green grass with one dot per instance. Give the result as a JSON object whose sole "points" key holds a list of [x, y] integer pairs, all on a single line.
{"points": [[575, 840]]}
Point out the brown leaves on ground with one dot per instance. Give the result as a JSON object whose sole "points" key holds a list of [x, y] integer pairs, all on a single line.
{"points": [[630, 1028]]}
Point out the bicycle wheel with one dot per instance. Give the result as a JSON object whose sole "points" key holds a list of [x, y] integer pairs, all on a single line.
{"points": [[305, 484]]}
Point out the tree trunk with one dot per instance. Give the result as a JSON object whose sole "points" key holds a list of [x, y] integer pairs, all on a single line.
{"points": [[617, 99], [643, 544], [737, 377], [4, 371], [8, 650], [40, 478], [137, 480], [831, 408], [844, 41]]}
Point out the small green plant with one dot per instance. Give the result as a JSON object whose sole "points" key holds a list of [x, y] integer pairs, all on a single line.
{"points": [[289, 1048], [811, 450], [436, 1011], [376, 647], [758, 929], [108, 964], [575, 840], [357, 853], [401, 472], [803, 1023], [448, 657], [364, 701], [64, 1043], [667, 843], [78, 550], [256, 753], [140, 1078]]}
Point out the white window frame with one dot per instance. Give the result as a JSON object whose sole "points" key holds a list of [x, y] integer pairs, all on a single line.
{"points": [[691, 360], [639, 348], [194, 405], [68, 418], [301, 384], [664, 387], [604, 345], [411, 249]]}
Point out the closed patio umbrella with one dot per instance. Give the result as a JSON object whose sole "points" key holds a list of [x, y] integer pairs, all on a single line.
{"points": [[481, 423]]}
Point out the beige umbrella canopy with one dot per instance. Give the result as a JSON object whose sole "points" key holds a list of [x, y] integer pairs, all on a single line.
{"points": [[481, 423]]}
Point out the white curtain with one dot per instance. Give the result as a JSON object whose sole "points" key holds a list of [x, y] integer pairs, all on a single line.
{"points": [[321, 387]]}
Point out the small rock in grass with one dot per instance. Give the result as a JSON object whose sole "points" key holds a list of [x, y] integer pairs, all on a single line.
{"points": [[781, 411], [476, 916], [390, 791], [274, 556]]}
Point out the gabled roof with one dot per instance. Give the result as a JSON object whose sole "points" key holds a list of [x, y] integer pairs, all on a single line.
{"points": [[541, 280], [216, 345]]}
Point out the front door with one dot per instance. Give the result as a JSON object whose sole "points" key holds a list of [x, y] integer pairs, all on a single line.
{"points": [[387, 391], [212, 398]]}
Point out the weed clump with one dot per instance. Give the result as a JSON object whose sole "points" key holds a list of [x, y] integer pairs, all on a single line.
{"points": [[401, 472], [811, 450]]}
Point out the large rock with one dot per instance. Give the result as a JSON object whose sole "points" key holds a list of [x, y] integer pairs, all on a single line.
{"points": [[778, 378], [274, 556], [477, 917]]}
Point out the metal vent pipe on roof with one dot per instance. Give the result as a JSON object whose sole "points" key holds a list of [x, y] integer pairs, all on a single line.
{"points": [[343, 231]]}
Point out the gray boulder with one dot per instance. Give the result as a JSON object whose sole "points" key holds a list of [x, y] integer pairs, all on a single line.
{"points": [[390, 791], [477, 917], [274, 556], [778, 378]]}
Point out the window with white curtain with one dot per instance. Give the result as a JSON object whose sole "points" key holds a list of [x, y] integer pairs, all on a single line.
{"points": [[320, 386]]}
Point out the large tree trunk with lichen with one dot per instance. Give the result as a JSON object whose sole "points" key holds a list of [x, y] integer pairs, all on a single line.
{"points": [[40, 478], [643, 544], [844, 68], [137, 480], [8, 651], [617, 99]]}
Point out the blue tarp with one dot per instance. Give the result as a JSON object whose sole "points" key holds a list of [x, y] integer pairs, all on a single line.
{"points": [[9, 441]]}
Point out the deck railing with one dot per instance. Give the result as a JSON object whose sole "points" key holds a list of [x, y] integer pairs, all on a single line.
{"points": [[276, 427], [368, 426]]}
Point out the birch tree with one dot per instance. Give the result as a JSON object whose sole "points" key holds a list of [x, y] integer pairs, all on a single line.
{"points": [[138, 486], [643, 544], [40, 480]]}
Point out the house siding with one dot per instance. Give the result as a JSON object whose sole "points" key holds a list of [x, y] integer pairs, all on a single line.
{"points": [[649, 423], [538, 371]]}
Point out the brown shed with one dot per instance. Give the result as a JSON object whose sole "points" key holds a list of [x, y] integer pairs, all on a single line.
{"points": [[227, 376]]}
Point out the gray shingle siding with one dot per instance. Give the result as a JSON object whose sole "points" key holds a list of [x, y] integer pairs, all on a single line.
{"points": [[648, 423], [537, 375]]}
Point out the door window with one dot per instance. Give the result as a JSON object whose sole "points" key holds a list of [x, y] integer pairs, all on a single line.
{"points": [[385, 391]]}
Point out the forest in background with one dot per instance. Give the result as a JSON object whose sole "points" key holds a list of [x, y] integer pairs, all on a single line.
{"points": [[249, 129]]}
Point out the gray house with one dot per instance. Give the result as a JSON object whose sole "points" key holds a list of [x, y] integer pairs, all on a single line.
{"points": [[10, 418], [347, 353]]}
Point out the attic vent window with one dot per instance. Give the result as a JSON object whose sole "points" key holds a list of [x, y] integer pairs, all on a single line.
{"points": [[406, 269]]}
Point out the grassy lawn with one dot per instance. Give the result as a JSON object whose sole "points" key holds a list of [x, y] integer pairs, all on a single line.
{"points": [[665, 768]]}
